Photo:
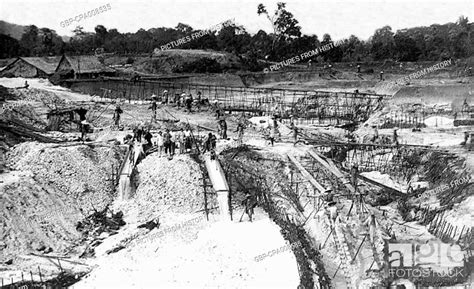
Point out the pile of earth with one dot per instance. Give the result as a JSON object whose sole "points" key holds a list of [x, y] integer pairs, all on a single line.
{"points": [[167, 61], [166, 186], [48, 190]]}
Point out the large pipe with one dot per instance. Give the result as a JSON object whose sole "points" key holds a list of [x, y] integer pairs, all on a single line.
{"points": [[219, 183]]}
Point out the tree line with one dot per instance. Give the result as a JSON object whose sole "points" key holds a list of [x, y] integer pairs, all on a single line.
{"points": [[436, 42]]}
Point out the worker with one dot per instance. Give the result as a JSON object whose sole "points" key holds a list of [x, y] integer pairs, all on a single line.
{"points": [[127, 139], [153, 107], [240, 132], [160, 142], [276, 131], [222, 124], [294, 129], [381, 75], [164, 98], [138, 133], [84, 129], [249, 203], [371, 223], [173, 139], [188, 101], [354, 173], [188, 139], [213, 141], [180, 99], [26, 84], [147, 137], [329, 196], [81, 112], [213, 155], [219, 111], [207, 143], [117, 112], [180, 140], [465, 107], [272, 135], [210, 142], [198, 101], [466, 138], [358, 68], [375, 137], [167, 142], [395, 136], [333, 214], [331, 207]]}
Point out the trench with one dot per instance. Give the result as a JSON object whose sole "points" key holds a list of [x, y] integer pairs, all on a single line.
{"points": [[250, 170]]}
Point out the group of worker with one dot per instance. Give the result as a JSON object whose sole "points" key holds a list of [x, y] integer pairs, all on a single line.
{"points": [[185, 100], [376, 137], [168, 142], [272, 132]]}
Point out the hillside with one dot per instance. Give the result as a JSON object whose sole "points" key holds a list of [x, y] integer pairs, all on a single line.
{"points": [[11, 29]]}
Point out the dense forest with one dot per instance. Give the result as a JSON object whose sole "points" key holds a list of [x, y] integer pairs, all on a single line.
{"points": [[435, 42]]}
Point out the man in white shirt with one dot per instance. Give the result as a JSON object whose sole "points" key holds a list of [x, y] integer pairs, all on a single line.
{"points": [[160, 142]]}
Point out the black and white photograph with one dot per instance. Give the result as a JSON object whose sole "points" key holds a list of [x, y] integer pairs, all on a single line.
{"points": [[260, 144]]}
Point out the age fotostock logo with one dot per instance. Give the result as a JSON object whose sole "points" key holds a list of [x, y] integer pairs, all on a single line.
{"points": [[416, 259]]}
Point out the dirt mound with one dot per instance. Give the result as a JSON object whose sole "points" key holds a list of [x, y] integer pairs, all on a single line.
{"points": [[80, 171], [168, 60], [167, 186], [49, 190]]}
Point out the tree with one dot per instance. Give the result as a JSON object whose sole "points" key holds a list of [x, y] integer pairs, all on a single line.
{"points": [[9, 47], [100, 35], [233, 38], [382, 43], [334, 54], [29, 40], [184, 28], [284, 25], [405, 47]]}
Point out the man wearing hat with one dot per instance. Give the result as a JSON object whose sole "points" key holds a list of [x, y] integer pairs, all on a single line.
{"points": [[164, 97]]}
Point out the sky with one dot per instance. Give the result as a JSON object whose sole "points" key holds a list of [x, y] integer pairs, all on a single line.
{"points": [[339, 18]]}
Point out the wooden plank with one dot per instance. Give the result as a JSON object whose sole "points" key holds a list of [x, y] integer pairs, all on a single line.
{"points": [[333, 169], [307, 175], [371, 181]]}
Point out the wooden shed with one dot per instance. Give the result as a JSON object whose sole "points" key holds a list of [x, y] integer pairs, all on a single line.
{"points": [[82, 67], [31, 67]]}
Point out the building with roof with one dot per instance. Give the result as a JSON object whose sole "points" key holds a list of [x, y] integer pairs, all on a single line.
{"points": [[82, 67], [31, 67]]}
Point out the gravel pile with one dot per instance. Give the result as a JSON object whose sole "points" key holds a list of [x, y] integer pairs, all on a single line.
{"points": [[33, 94], [168, 186], [80, 172], [48, 191]]}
